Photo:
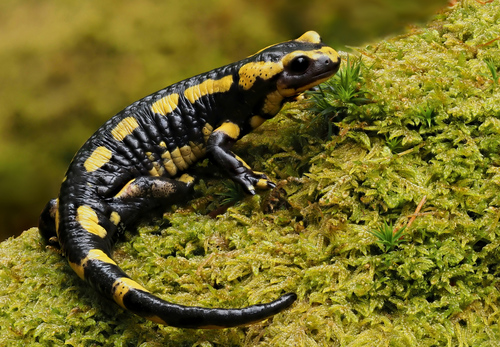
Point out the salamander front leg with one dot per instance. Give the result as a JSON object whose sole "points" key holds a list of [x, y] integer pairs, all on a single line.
{"points": [[218, 148]]}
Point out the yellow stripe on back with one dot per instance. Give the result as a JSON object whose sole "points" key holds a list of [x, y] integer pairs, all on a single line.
{"points": [[166, 105], [124, 128], [100, 156], [262, 69], [208, 87]]}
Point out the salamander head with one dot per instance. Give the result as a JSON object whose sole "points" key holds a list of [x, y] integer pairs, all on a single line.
{"points": [[292, 67]]}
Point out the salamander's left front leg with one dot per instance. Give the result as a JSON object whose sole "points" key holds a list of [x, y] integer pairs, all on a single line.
{"points": [[219, 149]]}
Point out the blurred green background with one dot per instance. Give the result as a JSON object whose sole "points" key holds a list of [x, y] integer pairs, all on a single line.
{"points": [[66, 66]]}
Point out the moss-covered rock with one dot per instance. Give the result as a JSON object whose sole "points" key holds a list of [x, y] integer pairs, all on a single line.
{"points": [[432, 131]]}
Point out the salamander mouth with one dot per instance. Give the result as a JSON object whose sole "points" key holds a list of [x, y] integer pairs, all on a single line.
{"points": [[324, 74], [335, 66]]}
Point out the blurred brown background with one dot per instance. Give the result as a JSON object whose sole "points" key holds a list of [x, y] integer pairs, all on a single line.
{"points": [[67, 66]]}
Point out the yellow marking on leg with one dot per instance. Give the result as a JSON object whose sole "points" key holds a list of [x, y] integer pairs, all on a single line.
{"points": [[128, 190], [122, 286], [89, 221], [115, 218], [310, 36], [230, 129], [243, 162], [256, 121], [262, 183], [262, 69], [100, 156], [186, 179], [208, 87], [124, 128], [178, 159], [272, 104], [94, 254], [166, 105]]}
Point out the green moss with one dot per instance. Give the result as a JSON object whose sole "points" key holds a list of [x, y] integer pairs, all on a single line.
{"points": [[311, 235]]}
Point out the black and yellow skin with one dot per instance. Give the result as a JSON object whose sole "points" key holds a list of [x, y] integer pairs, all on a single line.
{"points": [[135, 162]]}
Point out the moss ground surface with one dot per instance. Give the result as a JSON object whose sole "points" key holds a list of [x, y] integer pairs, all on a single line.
{"points": [[433, 131]]}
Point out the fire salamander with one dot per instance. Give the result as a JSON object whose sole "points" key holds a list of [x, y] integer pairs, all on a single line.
{"points": [[135, 162]]}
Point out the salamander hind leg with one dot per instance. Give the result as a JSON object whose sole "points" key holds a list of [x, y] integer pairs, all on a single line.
{"points": [[147, 193]]}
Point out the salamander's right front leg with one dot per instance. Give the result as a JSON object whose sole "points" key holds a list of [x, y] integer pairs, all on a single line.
{"points": [[219, 149]]}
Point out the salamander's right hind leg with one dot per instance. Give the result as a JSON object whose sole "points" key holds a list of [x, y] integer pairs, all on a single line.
{"points": [[146, 193]]}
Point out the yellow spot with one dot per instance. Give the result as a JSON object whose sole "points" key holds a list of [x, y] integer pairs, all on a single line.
{"points": [[89, 221], [170, 167], [168, 164], [124, 128], [262, 69], [207, 87], [310, 36], [256, 121], [97, 254], [187, 154], [178, 159], [122, 286], [197, 149], [100, 156], [78, 269], [115, 218], [166, 155], [186, 178], [207, 130], [166, 105], [153, 172], [230, 129], [94, 254]]}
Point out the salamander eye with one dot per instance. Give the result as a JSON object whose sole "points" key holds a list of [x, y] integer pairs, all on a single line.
{"points": [[299, 64]]}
